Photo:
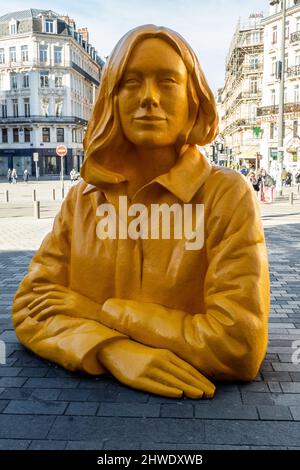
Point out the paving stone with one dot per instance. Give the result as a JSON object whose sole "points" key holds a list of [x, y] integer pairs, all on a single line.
{"points": [[9, 371], [290, 387], [47, 444], [35, 407], [269, 412], [254, 398], [82, 408], [84, 445], [12, 381], [141, 410], [14, 444], [179, 410], [33, 372], [221, 411], [74, 395], [295, 410], [51, 383], [25, 427], [46, 394]]}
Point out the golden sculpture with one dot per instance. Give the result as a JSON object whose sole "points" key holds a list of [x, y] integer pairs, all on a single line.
{"points": [[158, 316]]}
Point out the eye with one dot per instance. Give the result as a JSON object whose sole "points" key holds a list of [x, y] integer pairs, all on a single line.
{"points": [[131, 81], [168, 80]]}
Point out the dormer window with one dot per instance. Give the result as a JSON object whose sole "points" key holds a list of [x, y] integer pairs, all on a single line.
{"points": [[49, 26], [13, 27]]}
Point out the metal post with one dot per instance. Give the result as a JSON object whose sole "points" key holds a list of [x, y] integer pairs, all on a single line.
{"points": [[6, 197], [34, 194], [53, 194], [291, 198], [281, 90], [62, 172], [37, 209]]}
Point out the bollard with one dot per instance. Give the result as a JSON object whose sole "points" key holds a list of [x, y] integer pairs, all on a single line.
{"points": [[34, 194], [37, 209], [291, 197], [53, 194], [62, 193], [6, 197], [298, 188]]}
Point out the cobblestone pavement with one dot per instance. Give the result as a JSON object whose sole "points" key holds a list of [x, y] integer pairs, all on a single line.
{"points": [[45, 407]]}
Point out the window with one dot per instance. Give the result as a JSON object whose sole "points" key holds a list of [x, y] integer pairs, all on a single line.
{"points": [[26, 80], [274, 35], [273, 97], [15, 134], [297, 24], [285, 95], [44, 79], [15, 108], [4, 136], [286, 61], [296, 94], [49, 27], [45, 106], [43, 53], [26, 134], [272, 130], [273, 66], [24, 53], [46, 134], [295, 129], [27, 107], [253, 85], [12, 54], [58, 80], [297, 58], [13, 28], [57, 55], [14, 81], [2, 56], [287, 30], [4, 109], [253, 62], [58, 107], [60, 135], [256, 37]]}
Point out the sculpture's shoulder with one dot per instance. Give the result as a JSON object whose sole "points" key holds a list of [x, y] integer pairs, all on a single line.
{"points": [[224, 181]]}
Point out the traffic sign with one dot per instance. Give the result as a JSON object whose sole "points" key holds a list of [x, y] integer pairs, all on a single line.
{"points": [[61, 150]]}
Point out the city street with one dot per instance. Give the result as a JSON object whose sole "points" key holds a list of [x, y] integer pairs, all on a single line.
{"points": [[45, 407]]}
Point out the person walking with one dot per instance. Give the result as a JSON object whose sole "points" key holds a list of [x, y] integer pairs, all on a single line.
{"points": [[9, 177], [25, 176], [14, 176]]}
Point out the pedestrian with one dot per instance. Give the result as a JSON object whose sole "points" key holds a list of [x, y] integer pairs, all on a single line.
{"points": [[254, 181], [288, 179], [9, 177], [297, 177], [25, 176], [14, 175]]}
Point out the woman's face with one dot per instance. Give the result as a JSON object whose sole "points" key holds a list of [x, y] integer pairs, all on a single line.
{"points": [[153, 101]]}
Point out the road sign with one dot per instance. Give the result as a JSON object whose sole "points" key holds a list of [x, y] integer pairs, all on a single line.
{"points": [[35, 156], [61, 150]]}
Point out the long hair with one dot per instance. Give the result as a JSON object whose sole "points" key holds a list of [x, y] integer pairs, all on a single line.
{"points": [[105, 144]]}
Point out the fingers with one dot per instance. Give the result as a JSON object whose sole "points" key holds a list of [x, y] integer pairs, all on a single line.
{"points": [[43, 305], [49, 287], [208, 391], [48, 295], [152, 386], [49, 312], [208, 387], [167, 379]]}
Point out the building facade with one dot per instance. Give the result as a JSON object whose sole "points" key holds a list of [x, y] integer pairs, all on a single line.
{"points": [[242, 94], [268, 112], [49, 75]]}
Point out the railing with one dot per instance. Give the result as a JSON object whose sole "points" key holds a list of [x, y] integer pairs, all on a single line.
{"points": [[295, 36], [293, 71], [274, 109], [35, 63], [43, 119]]}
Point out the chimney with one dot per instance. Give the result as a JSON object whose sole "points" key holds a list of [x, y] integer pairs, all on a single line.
{"points": [[85, 34]]}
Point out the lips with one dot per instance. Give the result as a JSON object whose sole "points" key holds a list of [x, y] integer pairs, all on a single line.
{"points": [[149, 118]]}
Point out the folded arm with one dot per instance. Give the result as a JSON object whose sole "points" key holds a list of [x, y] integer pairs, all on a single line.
{"points": [[56, 332], [227, 341]]}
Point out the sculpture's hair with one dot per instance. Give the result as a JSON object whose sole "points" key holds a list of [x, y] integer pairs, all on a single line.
{"points": [[104, 141]]}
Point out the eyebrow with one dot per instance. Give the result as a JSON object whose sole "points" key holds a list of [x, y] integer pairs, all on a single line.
{"points": [[162, 71]]}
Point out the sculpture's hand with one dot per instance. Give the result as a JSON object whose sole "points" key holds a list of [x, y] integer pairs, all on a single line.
{"points": [[153, 370], [55, 299]]}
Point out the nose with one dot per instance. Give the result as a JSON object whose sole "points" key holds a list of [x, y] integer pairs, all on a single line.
{"points": [[149, 94]]}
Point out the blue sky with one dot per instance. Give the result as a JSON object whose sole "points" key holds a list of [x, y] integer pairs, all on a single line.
{"points": [[207, 25]]}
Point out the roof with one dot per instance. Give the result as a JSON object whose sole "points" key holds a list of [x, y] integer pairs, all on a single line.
{"points": [[23, 14]]}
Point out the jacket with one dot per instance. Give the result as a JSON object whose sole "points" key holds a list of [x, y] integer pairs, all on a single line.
{"points": [[209, 306]]}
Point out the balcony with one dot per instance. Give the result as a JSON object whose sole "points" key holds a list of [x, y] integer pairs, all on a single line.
{"points": [[43, 120], [295, 37], [274, 109], [293, 71]]}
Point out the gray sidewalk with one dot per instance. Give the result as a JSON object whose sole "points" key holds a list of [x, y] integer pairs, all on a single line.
{"points": [[44, 407]]}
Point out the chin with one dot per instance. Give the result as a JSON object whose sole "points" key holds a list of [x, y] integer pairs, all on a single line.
{"points": [[149, 141]]}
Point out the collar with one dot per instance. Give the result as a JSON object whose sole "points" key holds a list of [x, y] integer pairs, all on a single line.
{"points": [[183, 180]]}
